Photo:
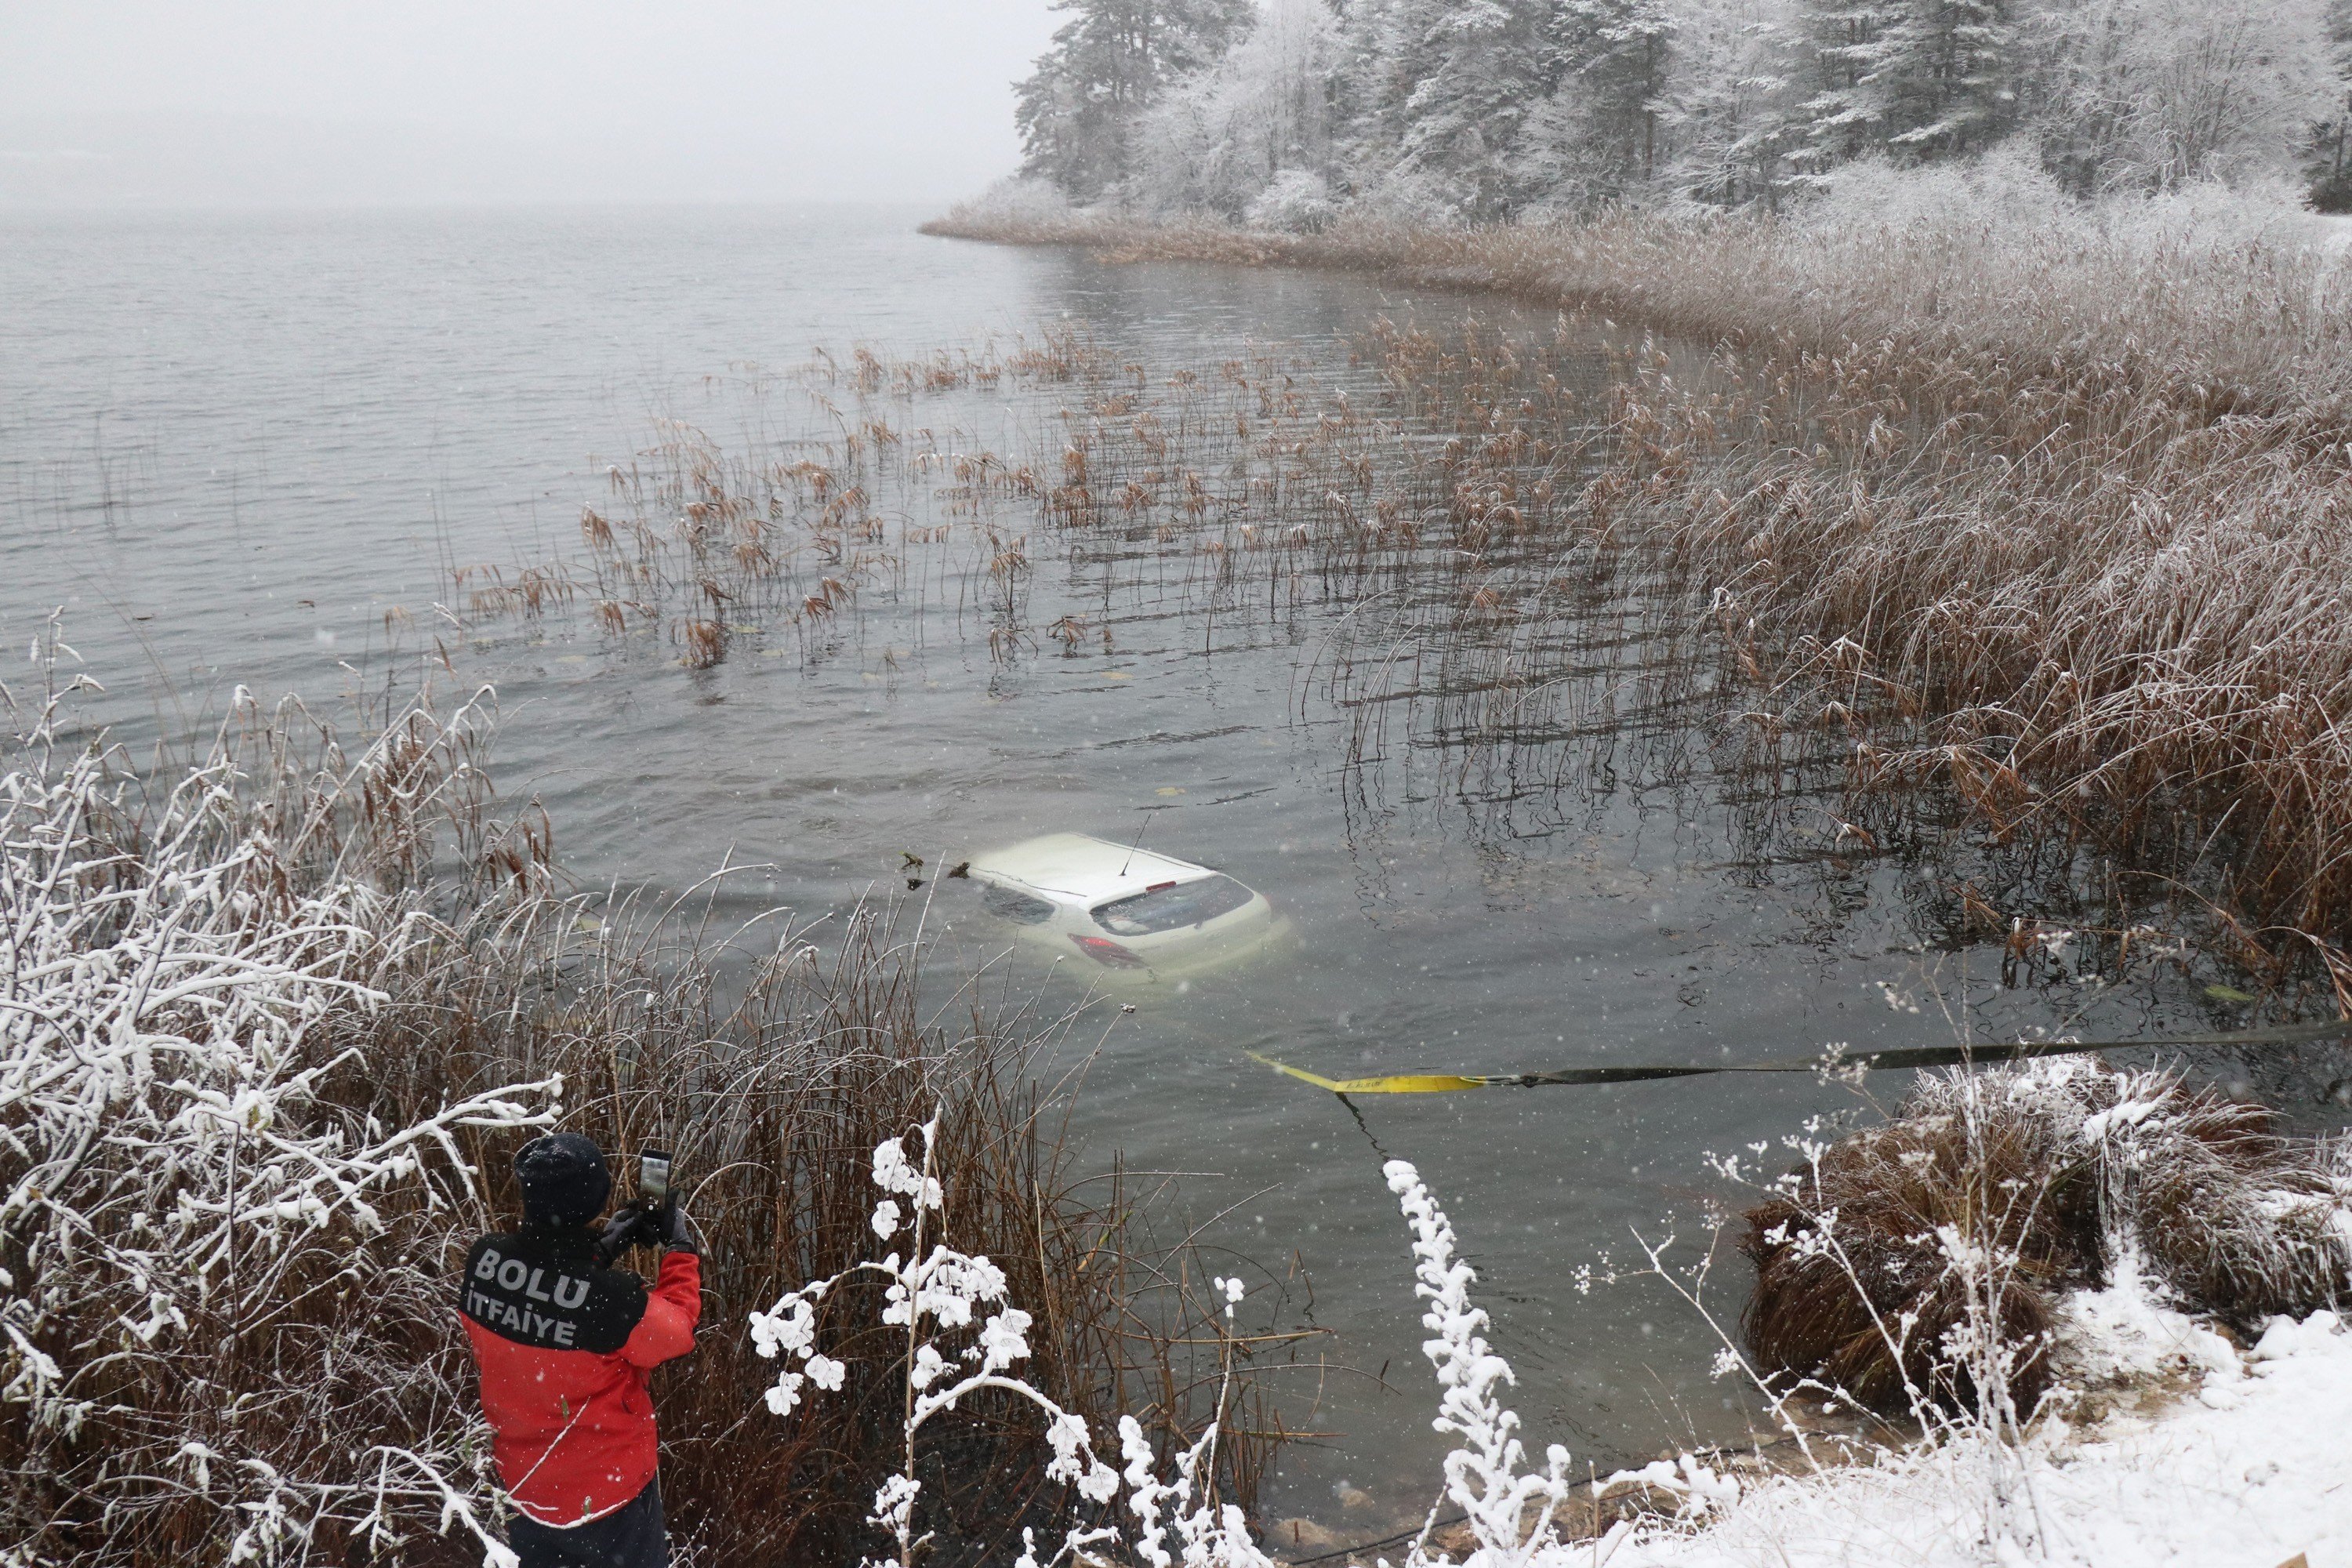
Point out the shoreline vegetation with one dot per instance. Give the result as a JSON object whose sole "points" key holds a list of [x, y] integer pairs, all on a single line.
{"points": [[2220, 302], [277, 1016], [2035, 516]]}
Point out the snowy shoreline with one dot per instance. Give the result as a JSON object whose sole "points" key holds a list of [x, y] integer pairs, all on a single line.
{"points": [[2225, 1475]]}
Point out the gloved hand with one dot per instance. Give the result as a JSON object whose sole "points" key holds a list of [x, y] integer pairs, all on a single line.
{"points": [[670, 1225], [625, 1229]]}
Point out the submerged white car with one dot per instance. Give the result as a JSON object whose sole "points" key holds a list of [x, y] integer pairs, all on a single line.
{"points": [[1131, 910]]}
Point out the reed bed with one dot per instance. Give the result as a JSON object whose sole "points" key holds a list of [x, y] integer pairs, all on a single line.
{"points": [[2064, 613], [2226, 317], [278, 1022], [2040, 526]]}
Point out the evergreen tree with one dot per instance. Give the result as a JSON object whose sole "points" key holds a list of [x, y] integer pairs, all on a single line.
{"points": [[1372, 85], [1943, 77], [1836, 50], [1596, 135], [1478, 76], [1107, 64]]}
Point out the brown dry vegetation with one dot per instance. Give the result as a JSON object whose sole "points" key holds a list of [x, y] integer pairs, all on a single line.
{"points": [[320, 1374], [2252, 328], [2051, 1174], [2046, 532]]}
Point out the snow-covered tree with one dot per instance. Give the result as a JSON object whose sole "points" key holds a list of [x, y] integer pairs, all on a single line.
{"points": [[1370, 84], [1833, 52], [1220, 137], [1734, 109], [2149, 93], [1486, 109], [1107, 64], [2329, 164], [1943, 79], [1596, 136], [1452, 85]]}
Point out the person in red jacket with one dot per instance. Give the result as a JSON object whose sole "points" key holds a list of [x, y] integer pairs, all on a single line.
{"points": [[564, 1343]]}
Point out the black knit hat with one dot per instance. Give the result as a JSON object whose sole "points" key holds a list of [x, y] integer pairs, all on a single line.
{"points": [[563, 1179]]}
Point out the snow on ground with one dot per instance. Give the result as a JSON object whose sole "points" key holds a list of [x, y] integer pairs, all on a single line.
{"points": [[2252, 1466]]}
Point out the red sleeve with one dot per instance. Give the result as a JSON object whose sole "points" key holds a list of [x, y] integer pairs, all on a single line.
{"points": [[673, 1307]]}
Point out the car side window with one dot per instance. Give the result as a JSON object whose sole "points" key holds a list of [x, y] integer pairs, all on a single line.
{"points": [[1014, 905]]}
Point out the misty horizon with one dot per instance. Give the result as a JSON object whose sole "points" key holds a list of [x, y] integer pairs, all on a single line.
{"points": [[135, 104]]}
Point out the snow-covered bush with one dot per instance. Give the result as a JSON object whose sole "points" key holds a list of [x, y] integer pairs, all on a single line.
{"points": [[1918, 1266], [963, 1339], [2007, 191], [1016, 198], [199, 1161], [1297, 201]]}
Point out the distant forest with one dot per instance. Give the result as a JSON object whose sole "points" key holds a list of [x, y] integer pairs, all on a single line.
{"points": [[1288, 113]]}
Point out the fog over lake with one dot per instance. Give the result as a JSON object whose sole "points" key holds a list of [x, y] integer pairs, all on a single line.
{"points": [[272, 103]]}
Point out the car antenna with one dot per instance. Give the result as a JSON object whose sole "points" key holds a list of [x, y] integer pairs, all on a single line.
{"points": [[1136, 845]]}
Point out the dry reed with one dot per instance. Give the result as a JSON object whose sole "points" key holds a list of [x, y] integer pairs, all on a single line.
{"points": [[2056, 1173], [2050, 521]]}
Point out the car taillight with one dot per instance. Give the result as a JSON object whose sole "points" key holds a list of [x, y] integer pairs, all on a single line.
{"points": [[1102, 950]]}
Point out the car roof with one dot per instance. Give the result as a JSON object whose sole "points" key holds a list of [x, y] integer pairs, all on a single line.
{"points": [[1077, 865]]}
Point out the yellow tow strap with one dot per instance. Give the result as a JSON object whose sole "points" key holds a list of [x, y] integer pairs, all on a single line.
{"points": [[1401, 1083], [1834, 1061]]}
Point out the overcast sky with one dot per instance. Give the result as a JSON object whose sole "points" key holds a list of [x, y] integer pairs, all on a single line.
{"points": [[328, 101]]}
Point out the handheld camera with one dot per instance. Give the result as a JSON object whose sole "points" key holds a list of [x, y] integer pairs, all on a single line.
{"points": [[652, 1177], [638, 1222]]}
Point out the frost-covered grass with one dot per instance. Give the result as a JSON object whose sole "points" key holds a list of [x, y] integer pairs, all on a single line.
{"points": [[272, 1024]]}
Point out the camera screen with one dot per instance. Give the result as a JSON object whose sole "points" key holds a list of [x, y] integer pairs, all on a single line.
{"points": [[652, 1175]]}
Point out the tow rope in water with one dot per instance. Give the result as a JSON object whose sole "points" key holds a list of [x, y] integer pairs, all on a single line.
{"points": [[1832, 1062]]}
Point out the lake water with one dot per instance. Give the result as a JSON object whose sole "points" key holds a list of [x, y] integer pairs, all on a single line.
{"points": [[232, 446]]}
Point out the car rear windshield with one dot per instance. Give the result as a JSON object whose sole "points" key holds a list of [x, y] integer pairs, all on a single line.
{"points": [[1014, 906], [1171, 905]]}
